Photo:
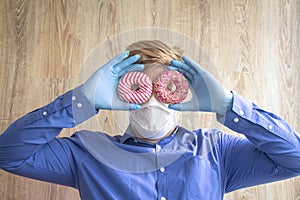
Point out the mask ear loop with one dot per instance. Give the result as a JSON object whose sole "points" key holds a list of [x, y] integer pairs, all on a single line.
{"points": [[171, 87], [135, 87]]}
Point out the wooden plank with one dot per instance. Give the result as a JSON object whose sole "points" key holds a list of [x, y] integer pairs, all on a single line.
{"points": [[254, 47]]}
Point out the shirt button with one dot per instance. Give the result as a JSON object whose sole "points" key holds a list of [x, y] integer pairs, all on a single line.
{"points": [[270, 126], [79, 105], [163, 198], [45, 113], [158, 148], [242, 112], [162, 169], [236, 120], [73, 98]]}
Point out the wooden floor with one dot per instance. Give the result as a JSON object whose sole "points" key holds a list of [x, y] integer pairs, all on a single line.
{"points": [[254, 45]]}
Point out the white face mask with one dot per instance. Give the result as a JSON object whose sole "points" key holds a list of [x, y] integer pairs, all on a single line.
{"points": [[153, 120]]}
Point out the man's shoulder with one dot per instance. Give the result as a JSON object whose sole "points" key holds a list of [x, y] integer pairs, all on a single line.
{"points": [[213, 136], [83, 134]]}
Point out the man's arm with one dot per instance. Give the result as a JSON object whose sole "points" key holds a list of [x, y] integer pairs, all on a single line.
{"points": [[28, 147], [270, 151]]}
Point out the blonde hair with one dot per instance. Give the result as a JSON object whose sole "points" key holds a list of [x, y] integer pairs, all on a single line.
{"points": [[154, 51]]}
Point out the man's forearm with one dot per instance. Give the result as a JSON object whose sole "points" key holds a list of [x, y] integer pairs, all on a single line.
{"points": [[269, 133], [26, 135]]}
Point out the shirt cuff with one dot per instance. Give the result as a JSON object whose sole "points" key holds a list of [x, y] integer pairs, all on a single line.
{"points": [[81, 107], [245, 114]]}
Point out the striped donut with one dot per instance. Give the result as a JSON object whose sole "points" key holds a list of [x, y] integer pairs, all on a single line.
{"points": [[135, 87], [171, 87]]}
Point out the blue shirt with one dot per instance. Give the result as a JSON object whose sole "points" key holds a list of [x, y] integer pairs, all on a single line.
{"points": [[200, 164]]}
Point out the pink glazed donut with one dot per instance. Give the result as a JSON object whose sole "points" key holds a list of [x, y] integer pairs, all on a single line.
{"points": [[135, 87], [171, 87]]}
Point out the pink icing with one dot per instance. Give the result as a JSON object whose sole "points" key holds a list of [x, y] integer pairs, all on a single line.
{"points": [[164, 94], [138, 96]]}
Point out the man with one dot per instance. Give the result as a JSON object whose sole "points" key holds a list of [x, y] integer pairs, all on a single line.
{"points": [[176, 163]]}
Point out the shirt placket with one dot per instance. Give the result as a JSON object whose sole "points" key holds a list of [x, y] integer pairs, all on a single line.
{"points": [[161, 184]]}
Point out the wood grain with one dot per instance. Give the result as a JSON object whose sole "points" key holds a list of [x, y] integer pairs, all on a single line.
{"points": [[255, 46]]}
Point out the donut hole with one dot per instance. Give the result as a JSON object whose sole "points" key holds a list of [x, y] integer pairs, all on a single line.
{"points": [[135, 87], [171, 86]]}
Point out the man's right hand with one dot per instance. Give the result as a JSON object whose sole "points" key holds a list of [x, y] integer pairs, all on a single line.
{"points": [[101, 87]]}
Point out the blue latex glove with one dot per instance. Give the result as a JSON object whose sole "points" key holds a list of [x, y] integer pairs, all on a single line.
{"points": [[208, 94], [101, 87]]}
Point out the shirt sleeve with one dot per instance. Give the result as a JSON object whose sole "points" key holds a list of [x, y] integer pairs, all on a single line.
{"points": [[269, 152], [29, 146]]}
